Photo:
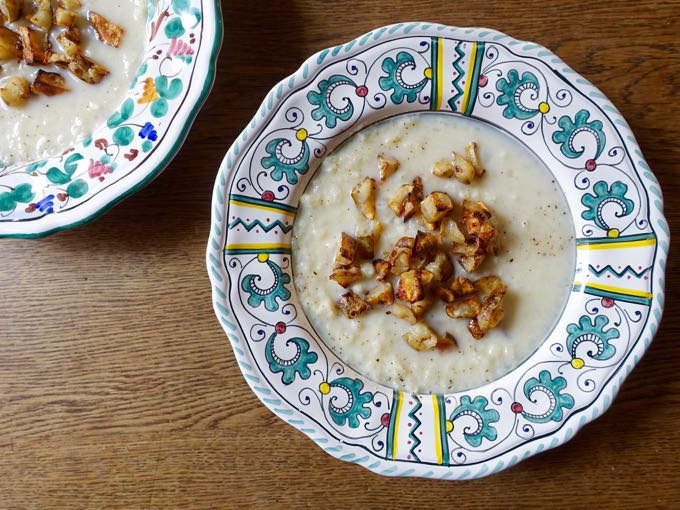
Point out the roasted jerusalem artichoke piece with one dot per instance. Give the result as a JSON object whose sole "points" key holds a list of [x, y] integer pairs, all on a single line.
{"points": [[400, 256], [383, 294], [10, 10], [86, 70], [42, 17], [420, 307], [473, 157], [462, 169], [396, 203], [16, 91], [34, 45], [107, 32], [68, 41], [440, 267], [410, 287], [382, 269], [363, 195], [48, 84], [65, 17], [466, 308], [352, 305], [488, 284], [489, 316], [443, 168], [70, 4], [406, 201], [404, 312], [421, 338], [9, 44], [449, 229], [387, 166], [346, 275], [435, 206], [352, 250]]}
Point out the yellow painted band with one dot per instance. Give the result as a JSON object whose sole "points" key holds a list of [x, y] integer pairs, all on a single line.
{"points": [[266, 246], [395, 439], [468, 78], [615, 246], [618, 290], [263, 207], [437, 432], [440, 73]]}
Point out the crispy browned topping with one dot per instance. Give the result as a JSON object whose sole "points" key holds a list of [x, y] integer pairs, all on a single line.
{"points": [[413, 199], [86, 70], [107, 32], [464, 308], [440, 267], [403, 312], [447, 340], [10, 10], [400, 256], [70, 4], [396, 203], [16, 91], [382, 269], [462, 169], [346, 275], [421, 338], [410, 287], [420, 307], [352, 305], [473, 156], [443, 168], [387, 166], [48, 84], [425, 244], [365, 247], [449, 229], [34, 45], [10, 48], [64, 17], [363, 195], [381, 294], [42, 17], [435, 206]]}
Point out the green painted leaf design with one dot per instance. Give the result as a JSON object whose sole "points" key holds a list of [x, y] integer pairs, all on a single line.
{"points": [[77, 188], [71, 164], [121, 116], [23, 193], [56, 176], [35, 166], [7, 202], [159, 108], [123, 136], [174, 28], [180, 5], [168, 90]]}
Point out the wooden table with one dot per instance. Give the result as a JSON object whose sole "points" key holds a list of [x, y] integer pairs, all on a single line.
{"points": [[118, 388]]}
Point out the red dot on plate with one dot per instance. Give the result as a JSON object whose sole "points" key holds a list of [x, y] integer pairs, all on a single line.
{"points": [[362, 91], [591, 165], [268, 196], [280, 328], [516, 407], [607, 302], [483, 80], [385, 420]]}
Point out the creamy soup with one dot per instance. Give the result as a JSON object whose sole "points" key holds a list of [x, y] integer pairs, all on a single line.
{"points": [[45, 126], [536, 260]]}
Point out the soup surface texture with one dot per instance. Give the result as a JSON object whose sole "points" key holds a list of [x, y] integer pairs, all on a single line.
{"points": [[536, 260]]}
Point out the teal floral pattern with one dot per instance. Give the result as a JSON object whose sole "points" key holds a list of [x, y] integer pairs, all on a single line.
{"points": [[477, 409], [324, 101], [571, 128], [270, 295], [352, 405], [512, 91], [394, 80], [602, 196], [297, 365], [22, 194], [592, 333], [551, 388], [283, 166]]}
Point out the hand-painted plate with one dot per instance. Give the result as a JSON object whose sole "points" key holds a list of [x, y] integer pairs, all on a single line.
{"points": [[525, 90], [137, 141]]}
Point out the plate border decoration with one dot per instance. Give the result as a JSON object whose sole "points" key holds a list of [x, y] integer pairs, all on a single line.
{"points": [[138, 140], [601, 335]]}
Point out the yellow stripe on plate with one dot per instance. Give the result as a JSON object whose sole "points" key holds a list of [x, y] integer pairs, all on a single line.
{"points": [[615, 246], [266, 246], [440, 72], [617, 290], [395, 439], [263, 207], [437, 432]]}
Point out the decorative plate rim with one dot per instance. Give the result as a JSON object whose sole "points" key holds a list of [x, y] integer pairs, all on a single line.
{"points": [[174, 146], [220, 287]]}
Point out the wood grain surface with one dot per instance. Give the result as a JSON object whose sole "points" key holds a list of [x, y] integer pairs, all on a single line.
{"points": [[118, 388]]}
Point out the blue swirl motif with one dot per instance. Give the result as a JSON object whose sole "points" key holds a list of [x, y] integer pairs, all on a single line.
{"points": [[324, 101], [513, 89], [552, 389], [276, 290], [394, 80], [603, 195], [283, 165], [298, 364], [571, 128], [593, 333], [355, 404], [477, 410]]}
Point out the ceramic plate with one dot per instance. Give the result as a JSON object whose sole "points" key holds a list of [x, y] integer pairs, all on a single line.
{"points": [[622, 242], [137, 141]]}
